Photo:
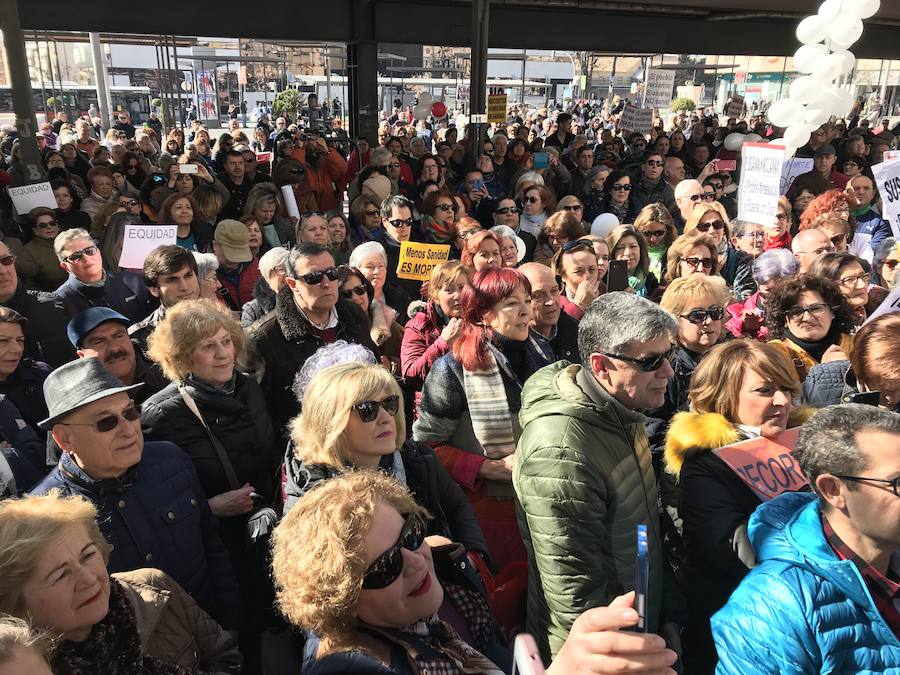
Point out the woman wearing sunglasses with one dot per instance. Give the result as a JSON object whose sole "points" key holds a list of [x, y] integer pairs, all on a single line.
{"points": [[559, 229], [471, 400], [37, 264], [734, 265], [365, 218], [884, 263], [537, 205], [439, 217], [382, 616], [741, 389], [695, 253], [657, 226], [617, 196], [384, 330], [219, 417], [809, 319]]}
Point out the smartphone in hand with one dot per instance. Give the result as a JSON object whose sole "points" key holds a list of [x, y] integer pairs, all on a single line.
{"points": [[541, 160], [526, 658], [641, 578], [187, 168], [617, 276]]}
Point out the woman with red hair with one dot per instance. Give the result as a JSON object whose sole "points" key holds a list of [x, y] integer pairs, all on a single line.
{"points": [[832, 201], [472, 396], [481, 250]]}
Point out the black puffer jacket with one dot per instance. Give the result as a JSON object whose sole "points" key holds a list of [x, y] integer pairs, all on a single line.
{"points": [[427, 479], [262, 303], [827, 384], [45, 335]]}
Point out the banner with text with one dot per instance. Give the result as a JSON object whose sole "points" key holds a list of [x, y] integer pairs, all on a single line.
{"points": [[140, 239], [735, 106], [660, 84], [636, 119], [760, 182], [496, 108], [27, 197], [887, 179], [793, 167], [766, 465], [417, 260]]}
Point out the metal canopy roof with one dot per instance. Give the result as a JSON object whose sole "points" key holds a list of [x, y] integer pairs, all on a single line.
{"points": [[764, 27]]}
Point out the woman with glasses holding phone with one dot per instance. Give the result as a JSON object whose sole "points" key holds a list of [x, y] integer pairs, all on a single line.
{"points": [[734, 265], [809, 319], [741, 389]]}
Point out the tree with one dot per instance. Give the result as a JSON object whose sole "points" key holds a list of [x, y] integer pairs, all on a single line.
{"points": [[683, 105], [287, 103]]}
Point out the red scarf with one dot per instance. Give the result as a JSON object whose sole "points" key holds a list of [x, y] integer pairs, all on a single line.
{"points": [[784, 241]]}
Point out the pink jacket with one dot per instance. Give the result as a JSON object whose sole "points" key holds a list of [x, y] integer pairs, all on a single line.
{"points": [[422, 346], [735, 324]]}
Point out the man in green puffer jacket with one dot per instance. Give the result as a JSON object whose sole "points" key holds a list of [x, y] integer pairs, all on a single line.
{"points": [[583, 473]]}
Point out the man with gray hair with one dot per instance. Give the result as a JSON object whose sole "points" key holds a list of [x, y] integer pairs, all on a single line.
{"points": [[825, 596], [583, 472], [688, 193]]}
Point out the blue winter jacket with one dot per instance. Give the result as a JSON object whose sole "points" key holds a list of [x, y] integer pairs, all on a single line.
{"points": [[803, 609], [871, 230]]}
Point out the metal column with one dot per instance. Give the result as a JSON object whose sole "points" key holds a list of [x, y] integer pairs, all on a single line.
{"points": [[104, 103], [23, 100], [362, 106], [478, 78]]}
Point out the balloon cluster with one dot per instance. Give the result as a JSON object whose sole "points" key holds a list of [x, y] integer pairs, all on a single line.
{"points": [[823, 57], [428, 106]]}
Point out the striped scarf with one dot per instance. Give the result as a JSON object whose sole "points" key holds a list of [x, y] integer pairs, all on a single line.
{"points": [[489, 410]]}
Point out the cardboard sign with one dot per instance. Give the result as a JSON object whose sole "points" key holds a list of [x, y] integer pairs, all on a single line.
{"points": [[735, 107], [496, 108], [887, 179], [417, 260], [263, 157], [793, 167], [636, 119], [140, 239], [660, 84], [766, 464], [760, 182], [27, 197]]}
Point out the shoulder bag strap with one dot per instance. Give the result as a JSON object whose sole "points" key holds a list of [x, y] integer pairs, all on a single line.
{"points": [[220, 450]]}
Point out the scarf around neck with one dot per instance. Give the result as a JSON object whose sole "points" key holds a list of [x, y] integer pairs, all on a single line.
{"points": [[818, 348], [489, 410]]}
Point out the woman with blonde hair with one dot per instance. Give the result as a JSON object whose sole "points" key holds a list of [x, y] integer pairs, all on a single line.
{"points": [[53, 573], [657, 226], [266, 205], [735, 266], [741, 389], [695, 253], [220, 418]]}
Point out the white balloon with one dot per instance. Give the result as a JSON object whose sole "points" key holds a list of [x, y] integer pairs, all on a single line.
{"points": [[844, 100], [797, 135], [813, 29], [425, 98], [845, 30], [804, 89], [830, 9], [752, 138], [815, 115], [864, 9], [420, 112], [734, 141], [784, 112], [604, 224], [807, 57]]}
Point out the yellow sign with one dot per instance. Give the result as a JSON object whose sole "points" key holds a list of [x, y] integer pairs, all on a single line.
{"points": [[417, 260], [497, 108]]}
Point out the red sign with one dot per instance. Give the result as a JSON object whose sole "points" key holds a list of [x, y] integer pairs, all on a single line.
{"points": [[766, 464]]}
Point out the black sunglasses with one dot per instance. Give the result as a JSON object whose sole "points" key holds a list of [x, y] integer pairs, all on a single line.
{"points": [[654, 162], [47, 223], [350, 292], [446, 207], [385, 569], [368, 410], [402, 222], [698, 316], [315, 278], [75, 256], [507, 209], [109, 422], [716, 225], [649, 364], [576, 207], [619, 187], [373, 212]]}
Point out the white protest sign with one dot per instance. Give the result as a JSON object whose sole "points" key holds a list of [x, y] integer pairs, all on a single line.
{"points": [[290, 201], [736, 106], [889, 305], [140, 239], [887, 180], [891, 154], [660, 84], [27, 197], [636, 119], [760, 182], [796, 166]]}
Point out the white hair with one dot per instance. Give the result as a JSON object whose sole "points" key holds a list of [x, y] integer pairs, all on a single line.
{"points": [[272, 259], [363, 251]]}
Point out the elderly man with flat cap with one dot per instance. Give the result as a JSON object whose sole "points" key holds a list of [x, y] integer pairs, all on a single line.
{"points": [[150, 505]]}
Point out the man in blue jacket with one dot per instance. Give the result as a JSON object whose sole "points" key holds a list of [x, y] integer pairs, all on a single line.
{"points": [[150, 505], [826, 595]]}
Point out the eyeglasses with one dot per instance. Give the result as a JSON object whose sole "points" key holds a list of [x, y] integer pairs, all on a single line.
{"points": [[838, 239], [695, 198], [350, 292], [781, 216], [648, 364], [389, 565], [128, 202], [654, 162], [694, 262], [448, 207], [715, 224], [576, 207], [465, 234], [508, 209], [75, 256], [854, 279], [8, 260], [47, 224], [368, 410], [532, 200], [890, 264], [109, 422], [314, 278], [401, 222], [653, 234], [709, 196], [621, 187], [754, 235], [373, 212], [815, 309], [699, 316], [894, 482]]}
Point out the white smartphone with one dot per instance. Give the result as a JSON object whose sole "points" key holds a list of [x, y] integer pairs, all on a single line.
{"points": [[187, 168], [526, 658]]}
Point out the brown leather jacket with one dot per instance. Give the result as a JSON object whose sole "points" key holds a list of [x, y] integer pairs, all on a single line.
{"points": [[174, 629]]}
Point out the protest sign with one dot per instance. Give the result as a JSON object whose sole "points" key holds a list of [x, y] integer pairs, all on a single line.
{"points": [[760, 182], [263, 157], [793, 167], [496, 108], [636, 119], [889, 305], [27, 197], [142, 238], [417, 260], [766, 464], [290, 201], [735, 106], [659, 88], [887, 180], [891, 154]]}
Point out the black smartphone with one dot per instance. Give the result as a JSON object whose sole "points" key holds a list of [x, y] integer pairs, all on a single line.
{"points": [[864, 397], [617, 276], [641, 578]]}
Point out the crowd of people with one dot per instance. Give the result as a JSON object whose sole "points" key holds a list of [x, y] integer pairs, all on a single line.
{"points": [[268, 451]]}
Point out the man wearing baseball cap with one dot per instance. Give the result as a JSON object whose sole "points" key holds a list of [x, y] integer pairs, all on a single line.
{"points": [[823, 172], [238, 269], [150, 505]]}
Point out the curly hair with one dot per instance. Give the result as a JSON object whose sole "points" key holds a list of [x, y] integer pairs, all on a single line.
{"points": [[175, 338], [787, 293], [319, 551], [827, 202]]}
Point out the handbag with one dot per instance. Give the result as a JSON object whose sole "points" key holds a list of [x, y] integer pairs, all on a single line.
{"points": [[262, 521]]}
